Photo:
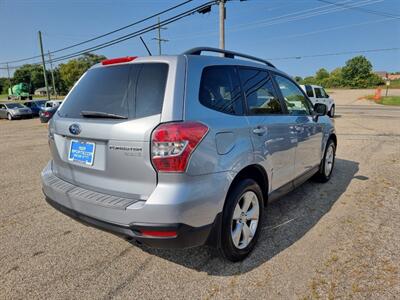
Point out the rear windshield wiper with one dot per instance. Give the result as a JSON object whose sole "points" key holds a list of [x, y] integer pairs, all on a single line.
{"points": [[99, 114]]}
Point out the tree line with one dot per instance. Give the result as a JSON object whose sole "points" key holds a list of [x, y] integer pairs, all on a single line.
{"points": [[356, 73], [65, 75]]}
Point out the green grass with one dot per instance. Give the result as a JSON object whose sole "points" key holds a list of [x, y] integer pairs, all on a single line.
{"points": [[389, 100]]}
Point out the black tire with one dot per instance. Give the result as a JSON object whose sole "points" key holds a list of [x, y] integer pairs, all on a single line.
{"points": [[331, 112], [323, 175], [227, 247], [9, 117]]}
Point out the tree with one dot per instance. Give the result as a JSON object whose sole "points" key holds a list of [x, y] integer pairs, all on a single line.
{"points": [[335, 78], [357, 73], [30, 74], [321, 74], [74, 68], [4, 85], [309, 80], [298, 79]]}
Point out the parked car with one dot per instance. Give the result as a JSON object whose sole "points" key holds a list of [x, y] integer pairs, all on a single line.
{"points": [[52, 103], [13, 111], [35, 106], [317, 94], [185, 150], [46, 115]]}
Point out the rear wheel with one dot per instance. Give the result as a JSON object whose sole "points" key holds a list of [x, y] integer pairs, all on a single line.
{"points": [[331, 113], [241, 220], [327, 163]]}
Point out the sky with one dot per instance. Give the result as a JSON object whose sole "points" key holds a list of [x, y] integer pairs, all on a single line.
{"points": [[271, 29]]}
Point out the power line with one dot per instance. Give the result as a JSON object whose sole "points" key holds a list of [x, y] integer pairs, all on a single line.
{"points": [[302, 14], [336, 53], [105, 34], [369, 11], [133, 34], [136, 33]]}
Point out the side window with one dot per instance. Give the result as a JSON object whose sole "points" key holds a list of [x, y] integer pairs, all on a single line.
{"points": [[2, 106], [220, 90], [309, 91], [318, 93], [259, 90], [296, 102]]}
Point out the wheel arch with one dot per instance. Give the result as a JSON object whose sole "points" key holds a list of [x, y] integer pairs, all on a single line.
{"points": [[258, 174]]}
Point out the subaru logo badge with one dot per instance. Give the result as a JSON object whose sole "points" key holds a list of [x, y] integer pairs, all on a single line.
{"points": [[75, 129]]}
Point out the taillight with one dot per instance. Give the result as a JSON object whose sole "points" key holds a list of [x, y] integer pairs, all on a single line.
{"points": [[173, 143]]}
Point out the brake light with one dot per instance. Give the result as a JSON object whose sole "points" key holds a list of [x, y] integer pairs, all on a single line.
{"points": [[117, 60], [173, 143]]}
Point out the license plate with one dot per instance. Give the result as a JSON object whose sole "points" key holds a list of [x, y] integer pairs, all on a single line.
{"points": [[82, 152]]}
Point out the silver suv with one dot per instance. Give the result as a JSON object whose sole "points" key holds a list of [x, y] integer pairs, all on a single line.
{"points": [[185, 150]]}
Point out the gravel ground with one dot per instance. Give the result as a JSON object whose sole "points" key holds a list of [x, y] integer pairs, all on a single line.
{"points": [[335, 240]]}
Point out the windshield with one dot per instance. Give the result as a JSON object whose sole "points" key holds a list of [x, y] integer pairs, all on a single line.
{"points": [[129, 91], [14, 105]]}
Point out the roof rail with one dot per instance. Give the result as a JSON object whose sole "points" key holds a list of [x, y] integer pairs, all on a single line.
{"points": [[227, 53]]}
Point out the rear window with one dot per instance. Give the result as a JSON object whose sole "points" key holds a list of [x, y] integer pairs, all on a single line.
{"points": [[132, 91]]}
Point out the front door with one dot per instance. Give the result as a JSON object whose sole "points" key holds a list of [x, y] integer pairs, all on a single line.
{"points": [[274, 143], [309, 132]]}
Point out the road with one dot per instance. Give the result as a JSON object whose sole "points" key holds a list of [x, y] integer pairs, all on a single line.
{"points": [[335, 240]]}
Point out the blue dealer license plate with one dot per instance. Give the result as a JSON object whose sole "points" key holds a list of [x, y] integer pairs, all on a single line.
{"points": [[82, 152]]}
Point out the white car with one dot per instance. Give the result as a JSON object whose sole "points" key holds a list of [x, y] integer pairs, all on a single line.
{"points": [[52, 103], [317, 94]]}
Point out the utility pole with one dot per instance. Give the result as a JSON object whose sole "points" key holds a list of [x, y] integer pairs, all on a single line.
{"points": [[9, 79], [222, 16], [52, 75], [44, 65], [158, 38]]}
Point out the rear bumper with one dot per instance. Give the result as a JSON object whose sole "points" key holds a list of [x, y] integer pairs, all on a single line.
{"points": [[186, 236], [190, 210]]}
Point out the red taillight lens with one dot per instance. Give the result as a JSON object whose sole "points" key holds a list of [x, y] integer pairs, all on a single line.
{"points": [[47, 114], [117, 60], [173, 143]]}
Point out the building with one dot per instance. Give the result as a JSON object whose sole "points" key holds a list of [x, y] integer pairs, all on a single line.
{"points": [[42, 91], [382, 74]]}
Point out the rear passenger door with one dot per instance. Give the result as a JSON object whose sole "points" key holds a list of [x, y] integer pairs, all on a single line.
{"points": [[308, 131], [274, 143]]}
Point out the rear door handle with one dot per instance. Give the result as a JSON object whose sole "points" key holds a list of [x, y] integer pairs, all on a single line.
{"points": [[259, 130]]}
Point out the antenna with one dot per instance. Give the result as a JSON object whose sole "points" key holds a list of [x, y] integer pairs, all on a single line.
{"points": [[144, 44]]}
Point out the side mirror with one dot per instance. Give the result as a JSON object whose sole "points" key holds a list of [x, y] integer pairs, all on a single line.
{"points": [[320, 109]]}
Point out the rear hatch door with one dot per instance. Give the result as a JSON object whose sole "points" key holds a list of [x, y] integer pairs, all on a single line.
{"points": [[103, 129]]}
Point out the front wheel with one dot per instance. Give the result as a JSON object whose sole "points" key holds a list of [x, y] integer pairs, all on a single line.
{"points": [[9, 117], [326, 167], [241, 220], [331, 112]]}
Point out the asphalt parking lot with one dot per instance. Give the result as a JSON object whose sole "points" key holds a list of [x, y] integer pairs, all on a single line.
{"points": [[334, 240]]}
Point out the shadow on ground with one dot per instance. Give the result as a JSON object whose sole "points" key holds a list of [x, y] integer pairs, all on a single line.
{"points": [[287, 220]]}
